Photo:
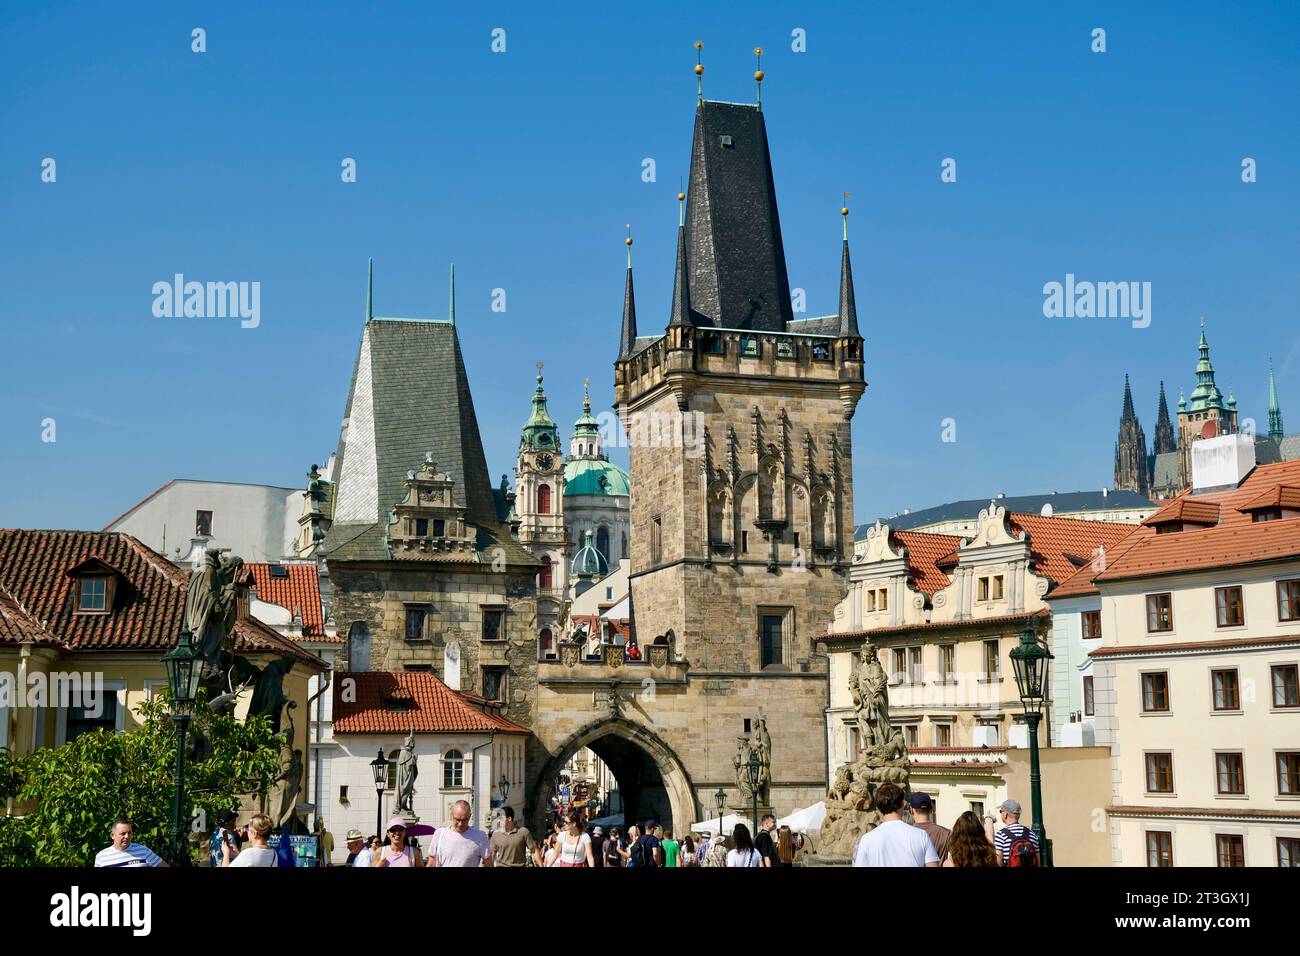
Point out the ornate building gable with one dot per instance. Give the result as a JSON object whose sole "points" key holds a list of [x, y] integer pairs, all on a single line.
{"points": [[427, 524], [987, 571]]}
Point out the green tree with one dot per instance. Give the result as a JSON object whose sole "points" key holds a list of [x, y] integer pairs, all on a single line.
{"points": [[70, 795]]}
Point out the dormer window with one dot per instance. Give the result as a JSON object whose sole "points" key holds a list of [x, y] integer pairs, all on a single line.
{"points": [[1267, 514], [93, 595]]}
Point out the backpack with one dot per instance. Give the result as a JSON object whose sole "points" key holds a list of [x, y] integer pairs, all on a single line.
{"points": [[1023, 852], [638, 852]]}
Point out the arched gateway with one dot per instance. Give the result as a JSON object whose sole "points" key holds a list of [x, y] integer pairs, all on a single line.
{"points": [[652, 779]]}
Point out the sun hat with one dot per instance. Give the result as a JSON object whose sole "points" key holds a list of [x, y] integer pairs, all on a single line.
{"points": [[394, 823], [354, 835]]}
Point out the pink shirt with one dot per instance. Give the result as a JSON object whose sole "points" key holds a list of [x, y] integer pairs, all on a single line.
{"points": [[405, 858]]}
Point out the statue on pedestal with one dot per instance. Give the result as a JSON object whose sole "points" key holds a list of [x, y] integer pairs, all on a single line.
{"points": [[757, 742], [407, 771], [850, 802]]}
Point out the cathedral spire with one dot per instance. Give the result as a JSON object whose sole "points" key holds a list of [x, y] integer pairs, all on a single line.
{"points": [[629, 307], [848, 307], [1128, 413], [1130, 449], [1275, 430], [1166, 441], [1206, 394]]}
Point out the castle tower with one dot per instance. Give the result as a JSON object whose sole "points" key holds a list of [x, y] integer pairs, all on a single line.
{"points": [[1165, 440], [1205, 414], [738, 419], [1130, 449]]}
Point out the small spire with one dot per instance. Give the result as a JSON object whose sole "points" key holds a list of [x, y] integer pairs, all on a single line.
{"points": [[699, 71], [758, 74], [629, 307], [681, 209], [681, 314], [451, 306], [370, 290], [539, 374], [848, 302], [1275, 429]]}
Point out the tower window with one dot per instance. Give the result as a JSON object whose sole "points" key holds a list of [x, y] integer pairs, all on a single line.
{"points": [[656, 540], [784, 349], [727, 143], [203, 524], [749, 347], [546, 574], [713, 344], [773, 648], [544, 500], [421, 527]]}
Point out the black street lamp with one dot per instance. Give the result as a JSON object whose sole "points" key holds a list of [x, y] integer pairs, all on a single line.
{"points": [[1029, 662], [379, 767], [720, 798], [184, 672], [754, 769]]}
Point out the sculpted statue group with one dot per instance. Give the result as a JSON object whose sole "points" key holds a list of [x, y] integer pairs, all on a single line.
{"points": [[211, 610], [850, 804], [758, 742]]}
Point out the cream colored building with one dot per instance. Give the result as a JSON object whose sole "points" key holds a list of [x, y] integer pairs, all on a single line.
{"points": [[1197, 679], [944, 612]]}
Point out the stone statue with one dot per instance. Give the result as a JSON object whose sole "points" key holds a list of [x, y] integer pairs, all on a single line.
{"points": [[870, 689], [407, 771], [285, 793], [269, 698], [758, 742], [211, 608], [850, 801]]}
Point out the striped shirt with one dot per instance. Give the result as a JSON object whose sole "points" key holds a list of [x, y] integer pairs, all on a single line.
{"points": [[135, 854], [1003, 839]]}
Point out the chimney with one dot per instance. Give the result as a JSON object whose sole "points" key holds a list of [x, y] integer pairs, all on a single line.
{"points": [[1221, 463]]}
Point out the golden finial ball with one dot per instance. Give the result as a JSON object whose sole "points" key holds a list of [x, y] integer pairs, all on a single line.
{"points": [[681, 197], [844, 210], [758, 51], [699, 44], [628, 240], [699, 69], [758, 75]]}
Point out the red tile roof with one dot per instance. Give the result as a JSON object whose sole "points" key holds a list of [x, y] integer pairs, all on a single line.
{"points": [[298, 591], [395, 703], [1081, 582], [1187, 510], [149, 607], [923, 551], [1235, 540], [1052, 541], [17, 625], [1280, 496]]}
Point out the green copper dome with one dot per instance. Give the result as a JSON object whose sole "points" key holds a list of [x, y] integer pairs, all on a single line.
{"points": [[539, 432], [594, 476], [589, 562]]}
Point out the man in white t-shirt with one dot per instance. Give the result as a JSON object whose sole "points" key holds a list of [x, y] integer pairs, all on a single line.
{"points": [[460, 844], [122, 852], [258, 853], [894, 842]]}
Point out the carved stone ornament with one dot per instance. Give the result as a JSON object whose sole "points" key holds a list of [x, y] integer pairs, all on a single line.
{"points": [[570, 653], [658, 655], [613, 655]]}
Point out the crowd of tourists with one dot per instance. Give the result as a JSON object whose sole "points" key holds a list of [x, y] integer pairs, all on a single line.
{"points": [[894, 841]]}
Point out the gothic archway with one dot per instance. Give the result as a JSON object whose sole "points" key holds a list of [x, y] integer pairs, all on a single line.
{"points": [[618, 740]]}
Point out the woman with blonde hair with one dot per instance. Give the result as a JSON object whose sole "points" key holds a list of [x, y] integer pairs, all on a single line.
{"points": [[259, 853]]}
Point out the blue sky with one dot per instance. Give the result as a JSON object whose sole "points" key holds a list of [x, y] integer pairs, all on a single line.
{"points": [[524, 167]]}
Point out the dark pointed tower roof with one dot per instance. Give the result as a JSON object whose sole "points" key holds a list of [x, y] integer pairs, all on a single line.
{"points": [[1166, 437], [737, 269], [628, 340], [682, 313], [848, 307], [1128, 413]]}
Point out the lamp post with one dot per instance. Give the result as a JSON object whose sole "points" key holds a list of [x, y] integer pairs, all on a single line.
{"points": [[1029, 662], [754, 768], [379, 767], [720, 798], [184, 671]]}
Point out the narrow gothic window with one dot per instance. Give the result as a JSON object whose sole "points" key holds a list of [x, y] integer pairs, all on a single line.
{"points": [[544, 500], [358, 647], [545, 575], [602, 544]]}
